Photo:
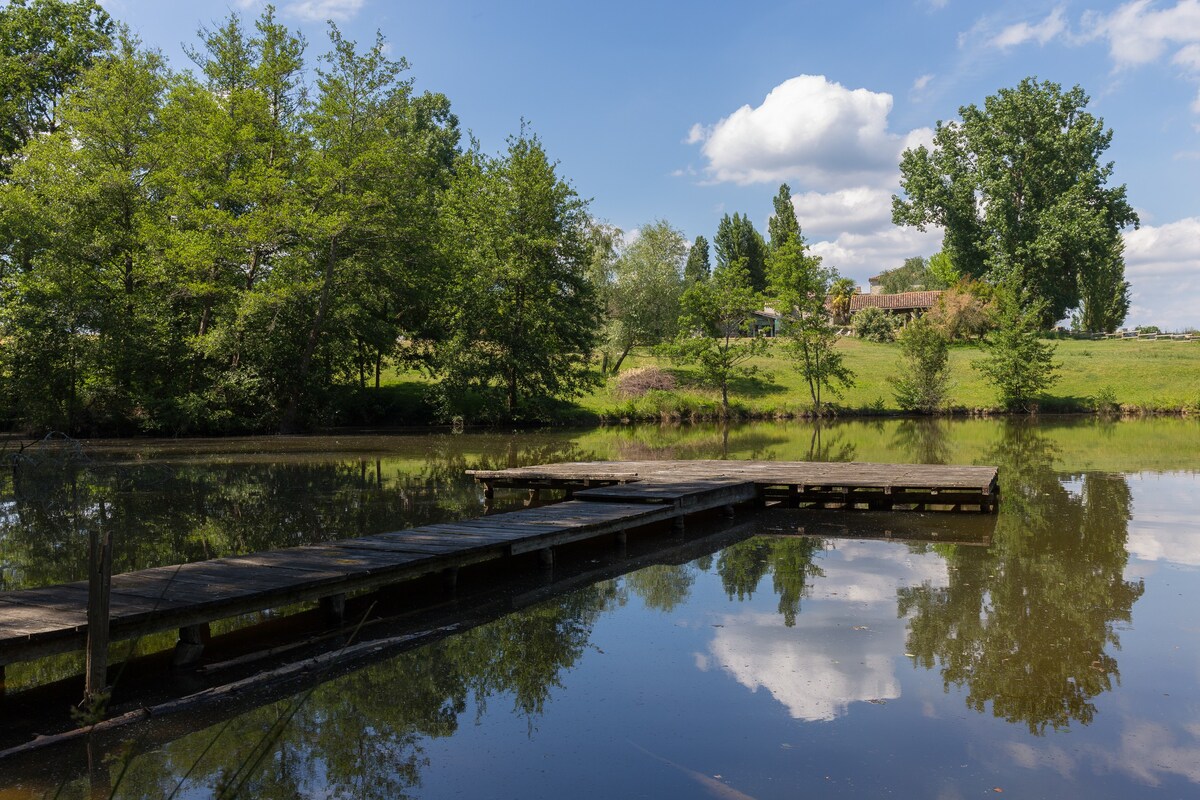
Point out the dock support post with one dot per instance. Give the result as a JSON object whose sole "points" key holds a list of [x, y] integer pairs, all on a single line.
{"points": [[99, 584], [729, 512], [190, 645], [334, 607], [489, 491], [622, 542], [546, 557], [450, 579], [678, 526], [535, 494]]}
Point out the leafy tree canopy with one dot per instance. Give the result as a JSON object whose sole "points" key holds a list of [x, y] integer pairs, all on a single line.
{"points": [[1021, 191], [737, 240]]}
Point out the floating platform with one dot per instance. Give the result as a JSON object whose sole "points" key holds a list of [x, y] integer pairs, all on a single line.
{"points": [[607, 499]]}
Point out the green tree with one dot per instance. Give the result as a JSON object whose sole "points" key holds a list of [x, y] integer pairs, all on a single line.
{"points": [[798, 287], [716, 328], [916, 274], [521, 315], [1022, 194], [925, 378], [1104, 293], [943, 270], [698, 267], [841, 291], [87, 315], [783, 225], [1018, 362], [647, 285], [737, 240], [45, 46]]}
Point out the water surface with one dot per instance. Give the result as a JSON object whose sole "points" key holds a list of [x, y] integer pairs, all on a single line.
{"points": [[1056, 656]]}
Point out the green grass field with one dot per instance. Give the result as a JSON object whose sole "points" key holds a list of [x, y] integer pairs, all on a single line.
{"points": [[1141, 376]]}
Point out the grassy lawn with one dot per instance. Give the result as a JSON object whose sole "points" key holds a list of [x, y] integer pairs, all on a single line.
{"points": [[1140, 375], [1146, 375]]}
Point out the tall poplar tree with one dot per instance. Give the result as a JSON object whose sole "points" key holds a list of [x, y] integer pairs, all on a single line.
{"points": [[698, 267], [1022, 194], [783, 225]]}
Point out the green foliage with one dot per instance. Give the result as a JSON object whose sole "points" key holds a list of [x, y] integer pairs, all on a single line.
{"points": [[1017, 362], [783, 225], [738, 241], [697, 267], [841, 292], [522, 318], [942, 268], [643, 299], [799, 284], [874, 324], [925, 379], [716, 332], [916, 274], [1021, 192], [45, 46]]}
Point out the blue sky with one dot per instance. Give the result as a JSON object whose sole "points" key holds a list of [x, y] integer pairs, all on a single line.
{"points": [[685, 112]]}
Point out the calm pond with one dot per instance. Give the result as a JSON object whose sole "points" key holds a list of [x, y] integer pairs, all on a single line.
{"points": [[1053, 651]]}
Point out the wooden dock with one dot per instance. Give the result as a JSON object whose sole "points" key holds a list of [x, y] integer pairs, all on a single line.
{"points": [[608, 499], [796, 484]]}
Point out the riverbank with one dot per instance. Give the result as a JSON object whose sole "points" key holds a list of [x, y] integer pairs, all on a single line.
{"points": [[1108, 376]]}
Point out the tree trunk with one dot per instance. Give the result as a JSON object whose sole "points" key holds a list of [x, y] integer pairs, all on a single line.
{"points": [[617, 366]]}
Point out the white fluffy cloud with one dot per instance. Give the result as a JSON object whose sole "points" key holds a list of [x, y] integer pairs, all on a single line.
{"points": [[1141, 32], [1162, 264], [321, 10], [808, 128], [835, 143]]}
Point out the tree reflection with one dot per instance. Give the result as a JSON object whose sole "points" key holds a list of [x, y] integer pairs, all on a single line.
{"points": [[662, 587], [924, 441], [177, 511], [789, 560], [363, 735], [1027, 624]]}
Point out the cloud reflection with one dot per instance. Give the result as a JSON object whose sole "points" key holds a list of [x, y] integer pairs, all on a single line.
{"points": [[844, 647]]}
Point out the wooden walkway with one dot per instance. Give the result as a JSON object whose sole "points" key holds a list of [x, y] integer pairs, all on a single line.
{"points": [[797, 484], [610, 499]]}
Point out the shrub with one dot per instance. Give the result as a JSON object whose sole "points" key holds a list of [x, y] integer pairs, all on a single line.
{"points": [[1019, 364], [636, 382], [926, 379], [964, 311], [874, 325]]}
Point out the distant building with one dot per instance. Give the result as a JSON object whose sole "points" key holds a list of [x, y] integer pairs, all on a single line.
{"points": [[876, 282], [766, 322], [902, 303]]}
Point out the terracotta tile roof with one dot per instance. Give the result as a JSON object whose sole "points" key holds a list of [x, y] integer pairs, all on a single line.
{"points": [[904, 301]]}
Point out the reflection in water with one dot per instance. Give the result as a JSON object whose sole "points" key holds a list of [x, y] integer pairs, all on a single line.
{"points": [[361, 736], [1026, 629], [923, 441], [843, 648], [1029, 624], [177, 510]]}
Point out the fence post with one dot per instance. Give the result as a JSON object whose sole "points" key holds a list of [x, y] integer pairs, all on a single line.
{"points": [[99, 584]]}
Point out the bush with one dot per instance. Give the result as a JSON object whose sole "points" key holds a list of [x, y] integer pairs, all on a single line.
{"points": [[965, 311], [874, 325], [1019, 364], [636, 382], [926, 379]]}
